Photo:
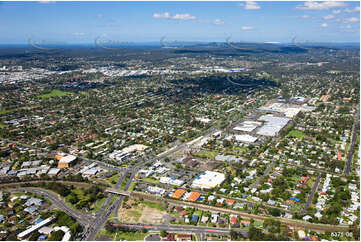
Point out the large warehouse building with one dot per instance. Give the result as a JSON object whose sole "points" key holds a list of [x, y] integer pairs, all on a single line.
{"points": [[273, 125], [208, 180], [247, 126]]}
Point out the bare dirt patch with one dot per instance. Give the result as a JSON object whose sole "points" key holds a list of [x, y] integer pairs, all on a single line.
{"points": [[141, 214], [152, 216]]}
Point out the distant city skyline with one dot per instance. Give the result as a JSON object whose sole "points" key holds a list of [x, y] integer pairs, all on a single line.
{"points": [[49, 22]]}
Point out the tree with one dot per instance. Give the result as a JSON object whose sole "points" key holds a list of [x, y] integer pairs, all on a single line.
{"points": [[163, 233], [56, 235], [255, 233], [34, 236], [275, 212]]}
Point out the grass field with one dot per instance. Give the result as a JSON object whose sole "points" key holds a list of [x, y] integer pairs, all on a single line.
{"points": [[54, 93], [99, 204], [207, 154], [132, 186], [153, 205], [112, 181], [130, 236], [296, 133], [122, 236], [149, 179], [4, 111]]}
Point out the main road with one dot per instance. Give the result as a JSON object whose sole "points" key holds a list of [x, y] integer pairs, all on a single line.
{"points": [[353, 141], [181, 228], [57, 201]]}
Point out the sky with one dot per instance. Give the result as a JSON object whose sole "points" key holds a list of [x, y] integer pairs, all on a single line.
{"points": [[49, 22]]}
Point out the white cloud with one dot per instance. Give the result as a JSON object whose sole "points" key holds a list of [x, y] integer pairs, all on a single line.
{"points": [[311, 5], [184, 16], [351, 20], [218, 22], [178, 16], [336, 11], [305, 16], [327, 17], [250, 5], [161, 15], [324, 25], [247, 28], [356, 9]]}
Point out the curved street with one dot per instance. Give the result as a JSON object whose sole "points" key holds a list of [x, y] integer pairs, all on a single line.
{"points": [[57, 201]]}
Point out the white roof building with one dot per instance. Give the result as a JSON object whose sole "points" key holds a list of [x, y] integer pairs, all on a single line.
{"points": [[272, 125], [33, 228], [53, 171], [247, 126], [171, 181], [67, 159], [45, 230], [208, 179]]}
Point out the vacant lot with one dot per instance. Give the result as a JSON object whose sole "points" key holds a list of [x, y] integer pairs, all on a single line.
{"points": [[147, 213], [296, 133], [54, 93]]}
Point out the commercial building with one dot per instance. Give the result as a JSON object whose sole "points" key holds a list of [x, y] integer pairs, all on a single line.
{"points": [[273, 125], [33, 228], [245, 138], [53, 171], [171, 181], [208, 180], [247, 126], [66, 161]]}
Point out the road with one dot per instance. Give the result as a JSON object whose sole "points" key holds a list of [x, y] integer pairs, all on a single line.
{"points": [[353, 141], [269, 168], [103, 214], [83, 219], [314, 189], [182, 228]]}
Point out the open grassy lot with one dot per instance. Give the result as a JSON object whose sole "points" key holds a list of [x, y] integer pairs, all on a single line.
{"points": [[130, 236], [112, 181], [296, 133], [54, 93], [149, 179], [207, 154], [141, 212], [99, 204], [4, 111], [132, 186], [121, 236]]}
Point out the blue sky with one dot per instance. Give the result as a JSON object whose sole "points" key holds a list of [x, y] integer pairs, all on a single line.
{"points": [[82, 22]]}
